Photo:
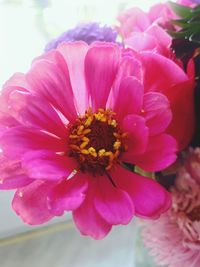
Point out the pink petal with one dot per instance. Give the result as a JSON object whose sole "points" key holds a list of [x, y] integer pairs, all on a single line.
{"points": [[101, 64], [164, 40], [74, 55], [191, 69], [138, 135], [174, 83], [7, 121], [141, 41], [12, 174], [13, 84], [67, 195], [133, 20], [87, 219], [18, 81], [14, 181], [161, 13], [129, 66], [3, 128], [44, 164], [181, 98], [51, 81], [150, 199], [130, 91], [169, 72], [19, 140], [113, 204], [156, 111], [160, 153], [30, 203], [36, 112]]}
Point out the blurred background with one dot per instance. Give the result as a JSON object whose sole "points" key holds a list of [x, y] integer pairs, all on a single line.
{"points": [[25, 27]]}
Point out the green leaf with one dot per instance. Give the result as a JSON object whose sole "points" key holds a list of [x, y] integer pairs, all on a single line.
{"points": [[196, 9], [189, 23], [180, 22], [177, 35], [181, 11]]}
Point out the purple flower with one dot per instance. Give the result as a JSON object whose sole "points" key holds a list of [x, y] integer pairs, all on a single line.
{"points": [[88, 32]]}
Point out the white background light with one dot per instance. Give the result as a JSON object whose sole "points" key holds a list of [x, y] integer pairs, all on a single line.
{"points": [[25, 27]]}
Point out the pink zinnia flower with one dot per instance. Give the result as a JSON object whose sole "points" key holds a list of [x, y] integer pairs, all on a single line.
{"points": [[70, 123], [174, 240]]}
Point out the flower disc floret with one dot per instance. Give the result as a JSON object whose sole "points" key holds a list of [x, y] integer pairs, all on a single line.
{"points": [[96, 141]]}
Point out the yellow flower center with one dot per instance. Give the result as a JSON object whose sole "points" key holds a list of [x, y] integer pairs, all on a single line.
{"points": [[96, 141]]}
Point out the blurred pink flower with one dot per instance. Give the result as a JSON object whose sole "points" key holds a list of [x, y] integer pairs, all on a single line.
{"points": [[174, 240], [71, 122], [147, 31], [189, 3], [144, 31]]}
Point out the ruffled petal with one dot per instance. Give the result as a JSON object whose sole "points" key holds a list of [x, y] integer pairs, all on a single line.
{"points": [[138, 135], [113, 204], [67, 195], [44, 164], [30, 202], [74, 54], [18, 140], [150, 199], [46, 77], [101, 65], [88, 220], [12, 175], [160, 153], [130, 91], [156, 111]]}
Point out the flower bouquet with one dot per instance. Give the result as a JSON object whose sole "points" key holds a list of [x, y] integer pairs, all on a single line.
{"points": [[105, 125]]}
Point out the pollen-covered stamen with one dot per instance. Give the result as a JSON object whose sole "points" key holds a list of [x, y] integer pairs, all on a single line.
{"points": [[96, 141]]}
